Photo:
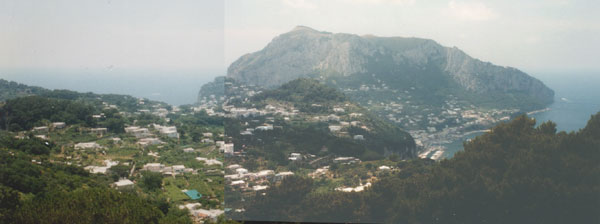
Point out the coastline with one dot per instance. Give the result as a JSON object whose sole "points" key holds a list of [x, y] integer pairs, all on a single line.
{"points": [[538, 111]]}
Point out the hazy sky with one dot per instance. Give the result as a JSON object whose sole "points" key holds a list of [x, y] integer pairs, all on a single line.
{"points": [[114, 34], [533, 35]]}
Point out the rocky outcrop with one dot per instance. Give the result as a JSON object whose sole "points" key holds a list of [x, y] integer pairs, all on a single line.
{"points": [[307, 52]]}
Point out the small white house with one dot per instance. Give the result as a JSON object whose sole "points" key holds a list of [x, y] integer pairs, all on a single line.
{"points": [[281, 175], [59, 125], [335, 128], [123, 184], [384, 168], [241, 170], [87, 145], [41, 129], [154, 167], [295, 156]]}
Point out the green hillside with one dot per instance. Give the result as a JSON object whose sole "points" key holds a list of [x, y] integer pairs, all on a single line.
{"points": [[517, 173]]}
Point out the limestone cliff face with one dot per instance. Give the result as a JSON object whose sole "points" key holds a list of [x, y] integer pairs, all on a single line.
{"points": [[305, 51], [484, 77]]}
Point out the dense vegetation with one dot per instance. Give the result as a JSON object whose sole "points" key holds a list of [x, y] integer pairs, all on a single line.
{"points": [[303, 93], [24, 113], [10, 90], [216, 88], [517, 173], [38, 184]]}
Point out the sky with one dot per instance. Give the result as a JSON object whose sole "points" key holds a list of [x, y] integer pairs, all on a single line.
{"points": [[109, 34], [540, 36], [199, 39]]}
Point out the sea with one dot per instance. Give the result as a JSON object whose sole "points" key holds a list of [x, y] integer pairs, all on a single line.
{"points": [[175, 87], [577, 97]]}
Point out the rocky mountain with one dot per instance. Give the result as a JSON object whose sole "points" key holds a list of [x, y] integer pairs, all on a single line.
{"points": [[430, 70]]}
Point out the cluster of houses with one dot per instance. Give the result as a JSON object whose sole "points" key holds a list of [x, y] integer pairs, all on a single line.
{"points": [[199, 214], [146, 138], [243, 180], [167, 170]]}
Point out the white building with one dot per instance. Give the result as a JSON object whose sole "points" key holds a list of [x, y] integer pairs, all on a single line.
{"points": [[59, 125], [123, 184], [295, 156], [41, 129], [154, 167], [241, 170], [87, 145], [228, 149], [335, 128], [149, 141], [281, 175], [359, 137], [209, 162]]}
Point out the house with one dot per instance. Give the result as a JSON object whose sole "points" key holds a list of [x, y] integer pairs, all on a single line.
{"points": [[384, 168], [359, 137], [59, 125], [346, 160], [101, 169], [99, 131], [233, 167], [123, 184], [41, 129], [265, 174], [281, 175], [207, 140], [154, 167], [238, 183], [241, 170], [170, 131], [188, 150], [335, 128], [338, 110], [295, 156], [264, 127], [259, 187], [178, 169], [207, 134], [87, 145], [209, 162], [354, 115], [333, 117], [233, 177], [149, 141], [193, 194], [228, 149], [211, 214], [138, 132]]}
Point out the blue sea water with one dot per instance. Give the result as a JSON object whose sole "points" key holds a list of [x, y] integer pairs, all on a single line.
{"points": [[176, 87], [577, 97]]}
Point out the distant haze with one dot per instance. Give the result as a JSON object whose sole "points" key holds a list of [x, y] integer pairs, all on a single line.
{"points": [[164, 50], [138, 34]]}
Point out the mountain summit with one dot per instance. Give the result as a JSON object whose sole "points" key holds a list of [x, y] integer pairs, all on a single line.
{"points": [[350, 61]]}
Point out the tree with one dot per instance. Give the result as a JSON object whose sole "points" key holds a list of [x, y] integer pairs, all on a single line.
{"points": [[151, 181]]}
